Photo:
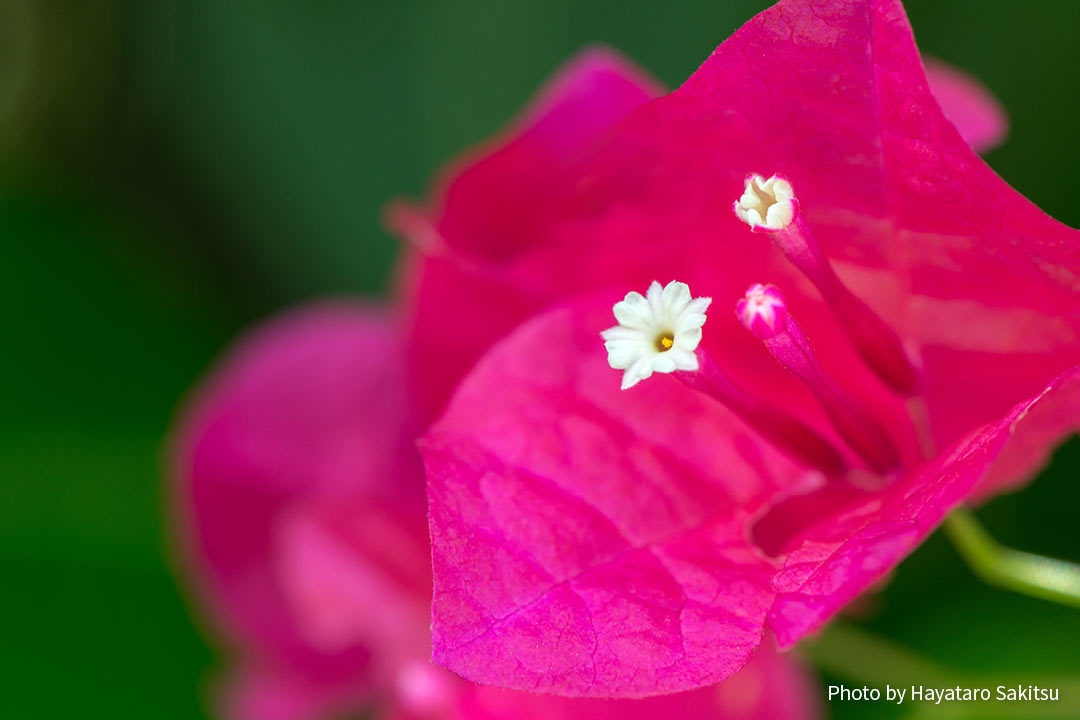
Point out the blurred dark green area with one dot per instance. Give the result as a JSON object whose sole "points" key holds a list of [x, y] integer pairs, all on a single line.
{"points": [[171, 172]]}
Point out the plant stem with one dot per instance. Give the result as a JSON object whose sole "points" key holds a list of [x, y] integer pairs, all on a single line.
{"points": [[1047, 578]]}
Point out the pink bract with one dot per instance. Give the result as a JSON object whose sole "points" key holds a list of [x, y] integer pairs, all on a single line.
{"points": [[593, 542], [306, 533], [299, 495], [261, 438]]}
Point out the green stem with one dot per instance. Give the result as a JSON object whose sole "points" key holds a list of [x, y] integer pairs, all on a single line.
{"points": [[1041, 577]]}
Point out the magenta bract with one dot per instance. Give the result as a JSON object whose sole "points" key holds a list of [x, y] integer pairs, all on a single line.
{"points": [[302, 410], [306, 535], [589, 542], [593, 542]]}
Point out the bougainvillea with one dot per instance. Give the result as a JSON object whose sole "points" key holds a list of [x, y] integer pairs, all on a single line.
{"points": [[303, 510], [596, 541], [300, 498]]}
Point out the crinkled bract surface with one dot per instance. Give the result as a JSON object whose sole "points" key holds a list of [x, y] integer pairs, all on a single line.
{"points": [[590, 541]]}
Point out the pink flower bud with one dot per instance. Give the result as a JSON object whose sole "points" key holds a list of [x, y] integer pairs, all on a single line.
{"points": [[763, 311]]}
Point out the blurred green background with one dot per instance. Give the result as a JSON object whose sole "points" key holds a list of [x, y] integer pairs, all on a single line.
{"points": [[171, 172]]}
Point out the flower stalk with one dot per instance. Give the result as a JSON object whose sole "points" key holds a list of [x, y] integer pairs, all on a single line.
{"points": [[765, 314], [781, 429], [771, 207], [1026, 573]]}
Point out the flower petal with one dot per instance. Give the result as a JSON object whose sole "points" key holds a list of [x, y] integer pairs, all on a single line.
{"points": [[633, 311], [676, 298], [687, 339], [684, 359], [655, 296], [663, 363], [642, 369]]}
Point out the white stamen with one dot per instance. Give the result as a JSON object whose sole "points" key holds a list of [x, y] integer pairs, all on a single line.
{"points": [[657, 332], [768, 204]]}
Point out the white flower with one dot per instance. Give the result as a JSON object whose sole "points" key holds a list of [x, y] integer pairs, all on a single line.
{"points": [[766, 204], [656, 333]]}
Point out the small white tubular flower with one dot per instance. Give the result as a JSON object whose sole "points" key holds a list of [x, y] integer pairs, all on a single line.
{"points": [[767, 204], [657, 332]]}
